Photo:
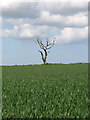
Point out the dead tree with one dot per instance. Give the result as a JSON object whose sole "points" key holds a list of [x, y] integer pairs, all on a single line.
{"points": [[45, 48]]}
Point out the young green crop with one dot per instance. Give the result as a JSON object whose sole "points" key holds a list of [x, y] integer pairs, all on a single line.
{"points": [[48, 91]]}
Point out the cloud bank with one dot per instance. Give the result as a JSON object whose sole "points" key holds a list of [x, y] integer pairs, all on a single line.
{"points": [[66, 21]]}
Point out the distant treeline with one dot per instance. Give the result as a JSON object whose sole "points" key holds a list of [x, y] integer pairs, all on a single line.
{"points": [[48, 64]]}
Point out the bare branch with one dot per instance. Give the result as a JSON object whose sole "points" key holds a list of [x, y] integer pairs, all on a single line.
{"points": [[41, 54], [42, 46], [50, 45]]}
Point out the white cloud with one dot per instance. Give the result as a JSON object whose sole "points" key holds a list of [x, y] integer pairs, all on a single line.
{"points": [[17, 32], [77, 20], [72, 35], [25, 31], [7, 33]]}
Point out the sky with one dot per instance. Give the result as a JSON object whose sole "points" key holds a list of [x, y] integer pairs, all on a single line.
{"points": [[23, 22]]}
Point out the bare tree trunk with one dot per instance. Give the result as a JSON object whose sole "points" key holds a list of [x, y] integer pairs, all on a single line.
{"points": [[45, 56], [44, 59]]}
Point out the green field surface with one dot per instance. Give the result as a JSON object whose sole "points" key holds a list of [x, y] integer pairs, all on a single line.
{"points": [[45, 91]]}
